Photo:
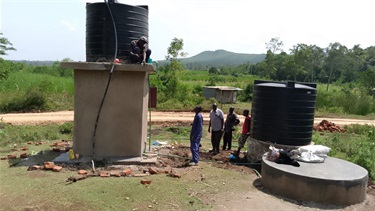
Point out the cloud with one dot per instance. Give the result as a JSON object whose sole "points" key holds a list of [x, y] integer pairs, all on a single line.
{"points": [[69, 25]]}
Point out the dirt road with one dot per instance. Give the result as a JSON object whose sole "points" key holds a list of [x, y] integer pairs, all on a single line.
{"points": [[66, 116]]}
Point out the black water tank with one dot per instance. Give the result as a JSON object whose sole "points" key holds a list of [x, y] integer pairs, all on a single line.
{"points": [[131, 23], [283, 112]]}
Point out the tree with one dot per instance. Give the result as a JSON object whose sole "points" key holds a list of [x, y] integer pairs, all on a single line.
{"points": [[309, 58], [213, 70], [175, 49], [168, 74], [5, 45], [367, 79], [274, 45], [335, 60]]}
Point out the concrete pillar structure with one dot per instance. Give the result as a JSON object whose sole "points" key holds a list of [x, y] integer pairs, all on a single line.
{"points": [[122, 127]]}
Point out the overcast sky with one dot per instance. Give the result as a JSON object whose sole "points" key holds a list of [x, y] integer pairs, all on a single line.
{"points": [[55, 29]]}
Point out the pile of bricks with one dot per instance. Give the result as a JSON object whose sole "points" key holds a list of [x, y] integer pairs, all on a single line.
{"points": [[62, 146], [47, 166], [325, 125], [14, 156]]}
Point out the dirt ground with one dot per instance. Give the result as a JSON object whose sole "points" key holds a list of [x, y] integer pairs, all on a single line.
{"points": [[256, 198], [65, 116]]}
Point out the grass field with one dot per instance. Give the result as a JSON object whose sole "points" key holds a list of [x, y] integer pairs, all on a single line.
{"points": [[47, 190]]}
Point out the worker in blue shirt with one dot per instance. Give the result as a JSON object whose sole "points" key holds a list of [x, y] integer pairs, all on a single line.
{"points": [[196, 135]]}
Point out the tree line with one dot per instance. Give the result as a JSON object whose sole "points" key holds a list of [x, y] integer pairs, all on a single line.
{"points": [[310, 63]]}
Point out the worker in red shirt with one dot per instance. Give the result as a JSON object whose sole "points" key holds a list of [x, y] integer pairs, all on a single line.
{"points": [[245, 132]]}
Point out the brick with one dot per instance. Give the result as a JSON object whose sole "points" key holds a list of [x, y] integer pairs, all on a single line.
{"points": [[82, 172], [168, 171], [140, 175], [3, 158], [115, 174], [144, 182], [30, 142], [104, 174], [13, 156], [24, 148], [126, 172], [49, 165], [153, 170], [57, 168], [175, 175], [24, 155], [36, 167]]}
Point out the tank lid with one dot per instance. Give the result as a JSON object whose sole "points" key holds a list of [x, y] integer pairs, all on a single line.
{"points": [[285, 84]]}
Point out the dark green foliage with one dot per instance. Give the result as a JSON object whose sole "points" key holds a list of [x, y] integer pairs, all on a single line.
{"points": [[356, 145], [247, 94], [34, 100], [5, 45], [213, 70], [66, 128]]}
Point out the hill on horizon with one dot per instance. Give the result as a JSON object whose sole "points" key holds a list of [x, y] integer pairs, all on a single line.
{"points": [[219, 58]]}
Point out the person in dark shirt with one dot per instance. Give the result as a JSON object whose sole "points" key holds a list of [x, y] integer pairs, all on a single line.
{"points": [[231, 121], [139, 51], [196, 135]]}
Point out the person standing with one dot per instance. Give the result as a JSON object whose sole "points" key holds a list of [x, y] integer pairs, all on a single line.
{"points": [[196, 135], [231, 121], [217, 124], [245, 132]]}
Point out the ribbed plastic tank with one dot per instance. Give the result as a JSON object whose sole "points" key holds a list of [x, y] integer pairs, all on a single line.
{"points": [[283, 112], [131, 23]]}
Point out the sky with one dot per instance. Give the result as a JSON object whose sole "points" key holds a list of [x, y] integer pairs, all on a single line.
{"points": [[55, 29]]}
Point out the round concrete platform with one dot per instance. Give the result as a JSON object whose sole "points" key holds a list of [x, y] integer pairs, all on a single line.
{"points": [[335, 181]]}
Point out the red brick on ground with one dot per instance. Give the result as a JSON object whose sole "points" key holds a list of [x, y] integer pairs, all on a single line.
{"points": [[126, 172], [24, 155], [13, 156], [153, 170], [144, 182], [57, 168], [104, 174], [82, 172], [115, 174], [49, 165], [36, 167]]}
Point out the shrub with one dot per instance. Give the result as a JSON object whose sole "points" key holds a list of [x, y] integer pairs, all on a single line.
{"points": [[31, 101], [66, 128]]}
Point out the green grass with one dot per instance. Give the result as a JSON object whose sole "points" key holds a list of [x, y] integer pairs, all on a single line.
{"points": [[45, 190], [57, 92], [356, 145]]}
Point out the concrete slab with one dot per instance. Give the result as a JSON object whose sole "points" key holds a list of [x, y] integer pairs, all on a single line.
{"points": [[335, 181], [64, 158]]}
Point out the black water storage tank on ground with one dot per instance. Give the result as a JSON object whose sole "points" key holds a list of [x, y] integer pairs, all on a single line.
{"points": [[131, 23], [283, 112]]}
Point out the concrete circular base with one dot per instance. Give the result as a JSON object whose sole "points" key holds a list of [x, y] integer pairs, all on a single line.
{"points": [[335, 181]]}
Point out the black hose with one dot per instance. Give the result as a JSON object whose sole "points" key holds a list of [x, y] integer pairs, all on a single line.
{"points": [[109, 81]]}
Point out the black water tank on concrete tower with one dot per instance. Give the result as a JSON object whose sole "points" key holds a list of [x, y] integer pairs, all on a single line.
{"points": [[131, 23], [283, 112]]}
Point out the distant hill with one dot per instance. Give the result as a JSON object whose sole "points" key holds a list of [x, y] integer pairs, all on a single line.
{"points": [[219, 58]]}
